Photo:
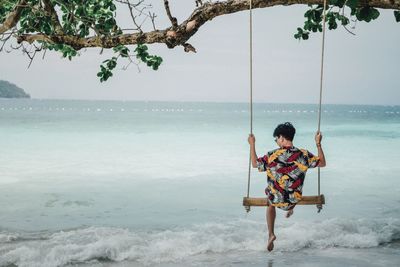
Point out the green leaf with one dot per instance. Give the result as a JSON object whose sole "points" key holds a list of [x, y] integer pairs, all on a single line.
{"points": [[364, 13], [332, 24], [374, 13], [338, 3], [352, 3], [307, 26], [122, 50], [397, 15], [345, 21], [301, 34], [367, 13]]}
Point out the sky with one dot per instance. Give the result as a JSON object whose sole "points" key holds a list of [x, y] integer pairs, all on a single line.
{"points": [[359, 69]]}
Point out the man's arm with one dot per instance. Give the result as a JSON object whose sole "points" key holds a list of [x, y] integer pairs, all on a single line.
{"points": [[321, 156], [253, 154]]}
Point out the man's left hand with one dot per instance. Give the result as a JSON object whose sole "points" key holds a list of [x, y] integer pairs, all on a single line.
{"points": [[251, 139]]}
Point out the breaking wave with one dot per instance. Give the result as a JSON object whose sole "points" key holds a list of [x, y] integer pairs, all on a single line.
{"points": [[176, 245]]}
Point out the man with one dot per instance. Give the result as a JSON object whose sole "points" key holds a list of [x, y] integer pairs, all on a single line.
{"points": [[286, 168]]}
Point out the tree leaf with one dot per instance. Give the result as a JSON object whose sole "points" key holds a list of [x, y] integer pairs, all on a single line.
{"points": [[338, 3], [397, 15], [352, 3], [367, 13], [374, 13]]}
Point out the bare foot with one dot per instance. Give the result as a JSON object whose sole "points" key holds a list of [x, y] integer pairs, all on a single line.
{"points": [[271, 240], [289, 213]]}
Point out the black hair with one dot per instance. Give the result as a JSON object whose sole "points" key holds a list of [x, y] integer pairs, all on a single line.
{"points": [[286, 130]]}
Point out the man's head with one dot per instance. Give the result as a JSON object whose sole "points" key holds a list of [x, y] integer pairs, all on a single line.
{"points": [[283, 133]]}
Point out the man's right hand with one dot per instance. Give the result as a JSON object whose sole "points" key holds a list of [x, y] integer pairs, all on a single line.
{"points": [[251, 139], [318, 138]]}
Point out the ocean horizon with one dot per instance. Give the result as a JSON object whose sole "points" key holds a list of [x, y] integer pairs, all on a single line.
{"points": [[198, 101]]}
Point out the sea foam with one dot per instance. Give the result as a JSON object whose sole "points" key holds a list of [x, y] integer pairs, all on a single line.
{"points": [[176, 245]]}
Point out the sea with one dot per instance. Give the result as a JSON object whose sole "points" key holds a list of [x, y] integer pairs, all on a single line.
{"points": [[123, 183]]}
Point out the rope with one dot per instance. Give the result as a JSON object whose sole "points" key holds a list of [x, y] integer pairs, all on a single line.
{"points": [[251, 92], [319, 207], [322, 65]]}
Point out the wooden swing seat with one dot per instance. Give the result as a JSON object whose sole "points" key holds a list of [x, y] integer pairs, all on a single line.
{"points": [[305, 200]]}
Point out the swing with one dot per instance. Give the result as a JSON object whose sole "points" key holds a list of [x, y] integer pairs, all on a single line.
{"points": [[318, 200]]}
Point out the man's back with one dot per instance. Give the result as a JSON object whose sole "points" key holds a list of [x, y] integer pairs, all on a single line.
{"points": [[286, 169]]}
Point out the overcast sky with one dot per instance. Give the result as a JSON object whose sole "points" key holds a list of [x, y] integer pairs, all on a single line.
{"points": [[361, 69]]}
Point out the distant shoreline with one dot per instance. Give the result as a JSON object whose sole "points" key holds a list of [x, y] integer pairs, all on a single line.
{"points": [[11, 91]]}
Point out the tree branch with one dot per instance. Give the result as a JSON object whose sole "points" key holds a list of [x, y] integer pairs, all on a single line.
{"points": [[173, 20], [13, 18], [183, 32]]}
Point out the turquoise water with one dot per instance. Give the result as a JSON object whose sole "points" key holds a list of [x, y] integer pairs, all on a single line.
{"points": [[100, 183]]}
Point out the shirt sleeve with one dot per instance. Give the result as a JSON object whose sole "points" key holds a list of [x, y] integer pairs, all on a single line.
{"points": [[262, 163], [312, 160]]}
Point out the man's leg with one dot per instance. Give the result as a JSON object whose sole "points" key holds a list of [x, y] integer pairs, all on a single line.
{"points": [[271, 215]]}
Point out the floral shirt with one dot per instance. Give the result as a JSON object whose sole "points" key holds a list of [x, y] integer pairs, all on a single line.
{"points": [[286, 169]]}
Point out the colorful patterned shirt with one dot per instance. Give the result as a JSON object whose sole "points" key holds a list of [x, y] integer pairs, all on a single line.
{"points": [[286, 169]]}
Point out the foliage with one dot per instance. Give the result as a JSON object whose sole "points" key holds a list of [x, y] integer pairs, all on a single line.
{"points": [[81, 18], [5, 8], [151, 61], [141, 53], [335, 15], [66, 50], [62, 22], [35, 20]]}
